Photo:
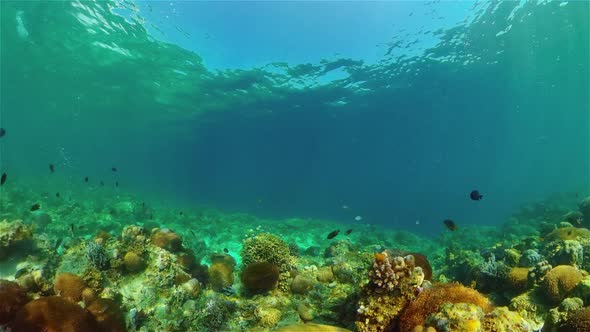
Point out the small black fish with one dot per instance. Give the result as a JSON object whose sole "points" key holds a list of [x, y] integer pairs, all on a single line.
{"points": [[181, 213], [51, 168], [450, 224], [114, 169], [116, 183], [35, 207], [348, 231], [475, 195], [2, 132], [142, 204], [225, 250], [102, 183], [57, 195], [72, 229], [3, 179], [86, 179], [333, 234]]}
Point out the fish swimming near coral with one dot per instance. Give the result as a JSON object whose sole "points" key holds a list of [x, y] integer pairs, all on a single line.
{"points": [[3, 179], [333, 234], [35, 207], [450, 224], [475, 195]]}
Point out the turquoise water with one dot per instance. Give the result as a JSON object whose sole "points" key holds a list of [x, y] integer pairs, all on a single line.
{"points": [[223, 117]]}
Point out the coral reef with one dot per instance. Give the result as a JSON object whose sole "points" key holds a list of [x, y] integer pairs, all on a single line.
{"points": [[13, 235], [560, 281], [12, 299], [260, 277], [53, 314], [69, 286]]}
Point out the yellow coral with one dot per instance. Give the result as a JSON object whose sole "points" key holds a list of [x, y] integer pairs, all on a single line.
{"points": [[560, 281]]}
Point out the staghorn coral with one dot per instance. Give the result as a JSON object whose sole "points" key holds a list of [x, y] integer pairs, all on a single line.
{"points": [[53, 314], [12, 299], [69, 286], [560, 281], [430, 300]]}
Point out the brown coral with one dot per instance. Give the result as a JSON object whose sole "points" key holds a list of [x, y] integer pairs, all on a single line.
{"points": [[220, 276], [579, 321], [260, 277], [53, 314], [12, 299], [430, 301], [69, 286], [560, 281], [518, 278], [107, 315], [166, 239], [133, 262]]}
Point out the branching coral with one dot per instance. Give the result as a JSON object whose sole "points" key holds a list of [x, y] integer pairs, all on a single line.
{"points": [[393, 282]]}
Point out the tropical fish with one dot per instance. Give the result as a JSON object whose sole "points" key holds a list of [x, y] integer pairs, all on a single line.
{"points": [[102, 183], [51, 168], [35, 207], [348, 231], [114, 169], [475, 195], [116, 183], [86, 179], [333, 234], [57, 194], [225, 250], [2, 132], [450, 224], [3, 179]]}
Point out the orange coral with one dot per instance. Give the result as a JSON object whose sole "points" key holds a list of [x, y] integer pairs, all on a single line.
{"points": [[53, 314], [107, 314], [166, 239], [560, 281], [69, 285], [12, 298], [430, 301], [380, 258]]}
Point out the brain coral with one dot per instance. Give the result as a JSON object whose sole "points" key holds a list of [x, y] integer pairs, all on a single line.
{"points": [[268, 248], [560, 281], [12, 298], [69, 286], [53, 314], [431, 300]]}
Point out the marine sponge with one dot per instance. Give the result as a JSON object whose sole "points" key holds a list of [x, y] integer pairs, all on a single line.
{"points": [[12, 299], [269, 248], [430, 301], [69, 285], [560, 281], [260, 277], [107, 315], [220, 276], [166, 239], [53, 314]]}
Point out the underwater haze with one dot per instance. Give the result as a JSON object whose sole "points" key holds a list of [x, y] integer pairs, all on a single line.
{"points": [[293, 166]]}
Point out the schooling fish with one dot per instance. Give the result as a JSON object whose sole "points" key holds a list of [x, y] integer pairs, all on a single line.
{"points": [[475, 195], [333, 234], [114, 169], [2, 132], [3, 179], [35, 207], [450, 224], [348, 231], [51, 168]]}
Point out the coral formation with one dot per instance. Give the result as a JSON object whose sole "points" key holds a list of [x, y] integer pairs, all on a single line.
{"points": [[133, 262], [166, 239], [268, 248], [107, 314], [221, 276], [578, 322], [260, 277], [97, 256], [69, 286], [560, 281], [53, 314], [13, 235], [12, 299]]}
